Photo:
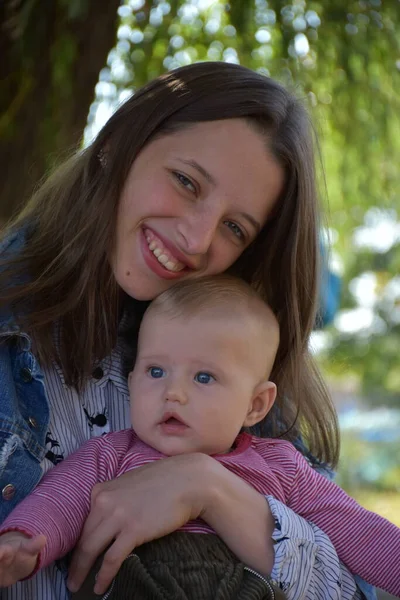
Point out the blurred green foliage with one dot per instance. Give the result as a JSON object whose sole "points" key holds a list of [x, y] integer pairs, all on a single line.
{"points": [[341, 57], [369, 465]]}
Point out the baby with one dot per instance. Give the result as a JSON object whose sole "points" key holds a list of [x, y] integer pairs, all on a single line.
{"points": [[206, 349]]}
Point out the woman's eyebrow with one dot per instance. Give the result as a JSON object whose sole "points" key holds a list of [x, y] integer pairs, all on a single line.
{"points": [[251, 220], [200, 169]]}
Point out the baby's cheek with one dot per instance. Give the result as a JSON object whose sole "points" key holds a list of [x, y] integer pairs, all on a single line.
{"points": [[136, 413], [216, 419]]}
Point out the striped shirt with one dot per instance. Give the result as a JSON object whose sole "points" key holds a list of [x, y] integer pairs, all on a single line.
{"points": [[271, 466]]}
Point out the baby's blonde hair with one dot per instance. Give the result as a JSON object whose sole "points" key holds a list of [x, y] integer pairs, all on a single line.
{"points": [[216, 294], [223, 297]]}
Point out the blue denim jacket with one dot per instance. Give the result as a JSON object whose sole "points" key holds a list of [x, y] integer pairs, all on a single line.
{"points": [[24, 410]]}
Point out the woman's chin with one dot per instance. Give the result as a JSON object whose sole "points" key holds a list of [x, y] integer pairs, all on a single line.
{"points": [[143, 288]]}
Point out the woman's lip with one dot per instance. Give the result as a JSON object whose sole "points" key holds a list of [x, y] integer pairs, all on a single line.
{"points": [[155, 266], [175, 253]]}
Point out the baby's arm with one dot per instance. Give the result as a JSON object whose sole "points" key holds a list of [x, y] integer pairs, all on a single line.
{"points": [[368, 544], [58, 507], [306, 563], [18, 556]]}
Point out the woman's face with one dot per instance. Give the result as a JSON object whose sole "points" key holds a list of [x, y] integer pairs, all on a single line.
{"points": [[192, 203]]}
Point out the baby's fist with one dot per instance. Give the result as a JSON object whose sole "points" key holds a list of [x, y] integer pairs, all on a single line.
{"points": [[18, 556]]}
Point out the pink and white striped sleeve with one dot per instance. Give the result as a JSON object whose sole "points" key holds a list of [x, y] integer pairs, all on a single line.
{"points": [[60, 504], [368, 544]]}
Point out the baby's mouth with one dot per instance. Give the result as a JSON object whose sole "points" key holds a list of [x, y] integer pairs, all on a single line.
{"points": [[163, 255], [172, 419]]}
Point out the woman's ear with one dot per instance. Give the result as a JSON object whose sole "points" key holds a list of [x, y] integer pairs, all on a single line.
{"points": [[261, 403]]}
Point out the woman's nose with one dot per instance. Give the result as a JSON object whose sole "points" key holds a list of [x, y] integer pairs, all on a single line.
{"points": [[198, 231]]}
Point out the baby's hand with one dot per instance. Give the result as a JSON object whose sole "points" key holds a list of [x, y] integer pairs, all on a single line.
{"points": [[18, 556]]}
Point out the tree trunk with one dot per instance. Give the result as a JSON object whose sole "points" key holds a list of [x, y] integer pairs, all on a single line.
{"points": [[51, 54]]}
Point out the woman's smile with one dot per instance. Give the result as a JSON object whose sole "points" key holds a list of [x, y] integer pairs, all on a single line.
{"points": [[158, 258], [163, 255]]}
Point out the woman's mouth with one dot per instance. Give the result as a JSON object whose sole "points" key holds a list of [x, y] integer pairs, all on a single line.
{"points": [[162, 254]]}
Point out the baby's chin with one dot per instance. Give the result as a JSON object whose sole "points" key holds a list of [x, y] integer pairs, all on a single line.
{"points": [[175, 448], [175, 443]]}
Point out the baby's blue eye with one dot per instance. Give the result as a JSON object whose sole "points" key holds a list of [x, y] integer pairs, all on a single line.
{"points": [[203, 377], [156, 372]]}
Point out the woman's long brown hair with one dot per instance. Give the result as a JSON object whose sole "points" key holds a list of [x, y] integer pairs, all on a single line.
{"points": [[62, 274]]}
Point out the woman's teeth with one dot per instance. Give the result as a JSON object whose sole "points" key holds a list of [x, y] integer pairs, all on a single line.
{"points": [[163, 258]]}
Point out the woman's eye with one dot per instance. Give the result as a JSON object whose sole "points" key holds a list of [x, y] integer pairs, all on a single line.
{"points": [[236, 230], [185, 182], [156, 372], [203, 377]]}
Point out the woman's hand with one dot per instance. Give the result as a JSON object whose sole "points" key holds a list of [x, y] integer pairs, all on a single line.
{"points": [[156, 499], [144, 504]]}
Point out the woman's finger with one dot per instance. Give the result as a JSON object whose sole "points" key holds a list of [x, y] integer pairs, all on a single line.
{"points": [[86, 552], [98, 532], [112, 561], [101, 508], [144, 505]]}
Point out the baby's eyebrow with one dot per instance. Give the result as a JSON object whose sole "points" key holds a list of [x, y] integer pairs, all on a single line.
{"points": [[152, 357]]}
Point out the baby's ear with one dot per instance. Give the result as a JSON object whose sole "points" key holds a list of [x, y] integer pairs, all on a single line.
{"points": [[261, 403]]}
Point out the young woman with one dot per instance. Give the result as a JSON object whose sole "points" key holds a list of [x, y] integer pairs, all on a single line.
{"points": [[206, 169]]}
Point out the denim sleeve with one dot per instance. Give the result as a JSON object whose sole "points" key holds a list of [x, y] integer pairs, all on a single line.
{"points": [[21, 446], [368, 590], [306, 564]]}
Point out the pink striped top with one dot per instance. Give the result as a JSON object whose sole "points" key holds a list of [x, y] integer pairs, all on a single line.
{"points": [[368, 544]]}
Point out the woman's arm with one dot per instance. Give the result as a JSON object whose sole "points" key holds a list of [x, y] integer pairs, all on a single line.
{"points": [[242, 518], [59, 505], [159, 498]]}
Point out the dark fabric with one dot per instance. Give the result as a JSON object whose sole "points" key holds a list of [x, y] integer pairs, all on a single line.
{"points": [[183, 566]]}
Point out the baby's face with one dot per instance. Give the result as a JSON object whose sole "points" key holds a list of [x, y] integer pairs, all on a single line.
{"points": [[194, 381]]}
